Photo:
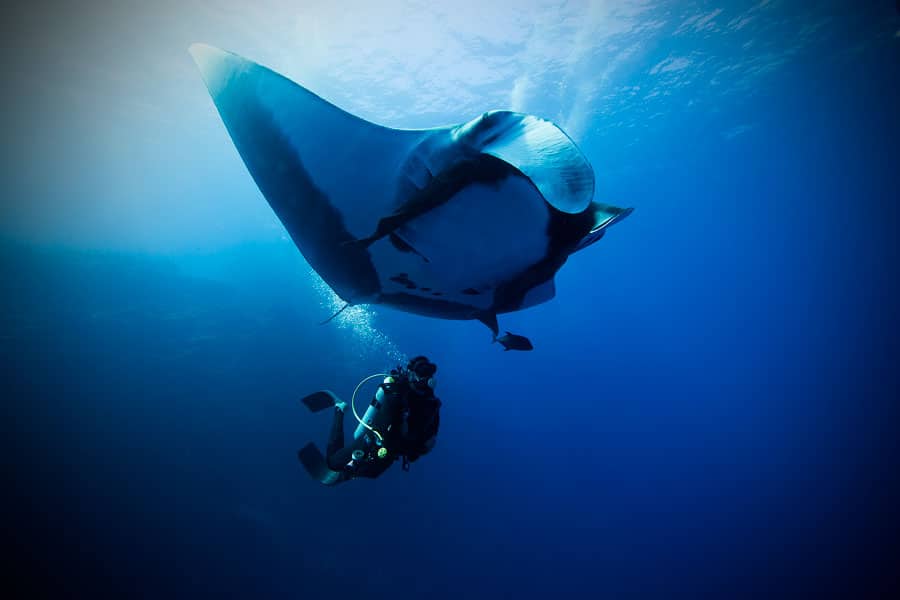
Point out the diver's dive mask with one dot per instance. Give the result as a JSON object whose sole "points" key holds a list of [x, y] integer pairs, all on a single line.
{"points": [[420, 372], [421, 382]]}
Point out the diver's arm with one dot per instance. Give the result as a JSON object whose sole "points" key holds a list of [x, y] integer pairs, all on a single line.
{"points": [[401, 417], [427, 445]]}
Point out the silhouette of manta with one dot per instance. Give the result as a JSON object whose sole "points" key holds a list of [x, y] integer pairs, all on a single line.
{"points": [[459, 222]]}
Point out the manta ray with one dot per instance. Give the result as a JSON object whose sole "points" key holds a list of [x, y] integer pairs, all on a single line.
{"points": [[464, 221]]}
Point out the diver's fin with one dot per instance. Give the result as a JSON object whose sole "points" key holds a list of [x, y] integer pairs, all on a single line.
{"points": [[316, 465], [321, 400]]}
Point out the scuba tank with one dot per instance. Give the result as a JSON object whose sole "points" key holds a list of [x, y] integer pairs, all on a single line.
{"points": [[377, 418], [375, 422]]}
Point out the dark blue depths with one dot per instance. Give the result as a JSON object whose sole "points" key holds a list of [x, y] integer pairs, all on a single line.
{"points": [[709, 411]]}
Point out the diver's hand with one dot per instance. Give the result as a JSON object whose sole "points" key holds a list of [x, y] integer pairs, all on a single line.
{"points": [[340, 405]]}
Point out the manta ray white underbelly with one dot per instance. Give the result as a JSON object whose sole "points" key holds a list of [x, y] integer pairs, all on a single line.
{"points": [[458, 222]]}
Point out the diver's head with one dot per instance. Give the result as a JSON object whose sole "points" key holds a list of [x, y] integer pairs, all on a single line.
{"points": [[421, 374]]}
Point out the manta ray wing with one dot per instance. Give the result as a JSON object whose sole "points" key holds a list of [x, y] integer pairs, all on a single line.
{"points": [[327, 174]]}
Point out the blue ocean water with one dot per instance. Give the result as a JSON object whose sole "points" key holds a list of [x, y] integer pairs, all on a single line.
{"points": [[711, 406]]}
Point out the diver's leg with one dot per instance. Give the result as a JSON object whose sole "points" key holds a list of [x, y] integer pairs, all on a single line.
{"points": [[338, 461], [336, 439], [337, 455]]}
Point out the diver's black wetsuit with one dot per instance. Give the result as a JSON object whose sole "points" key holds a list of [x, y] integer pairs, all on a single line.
{"points": [[412, 441]]}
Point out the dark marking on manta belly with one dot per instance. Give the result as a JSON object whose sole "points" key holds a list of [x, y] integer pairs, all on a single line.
{"points": [[403, 279], [398, 243], [470, 292], [564, 232], [414, 202]]}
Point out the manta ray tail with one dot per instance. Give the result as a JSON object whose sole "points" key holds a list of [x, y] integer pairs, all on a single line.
{"points": [[342, 309]]}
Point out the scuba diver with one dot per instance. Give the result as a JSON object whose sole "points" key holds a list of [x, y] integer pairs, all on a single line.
{"points": [[401, 422]]}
